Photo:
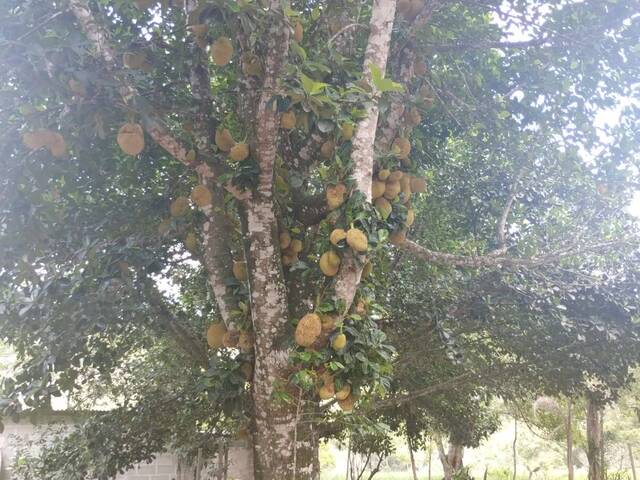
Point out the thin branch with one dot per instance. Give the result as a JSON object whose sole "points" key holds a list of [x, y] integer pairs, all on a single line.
{"points": [[495, 260], [344, 29]]}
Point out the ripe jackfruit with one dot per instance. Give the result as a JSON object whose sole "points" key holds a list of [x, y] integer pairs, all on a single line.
{"points": [[347, 404], [395, 176], [337, 236], [296, 245], [179, 206], [230, 339], [339, 342], [288, 120], [377, 189], [245, 341], [222, 51], [251, 65], [344, 392], [308, 330], [420, 67], [335, 196], [298, 32], [384, 207], [384, 174], [325, 393], [285, 240], [329, 263], [240, 270], [357, 240], [413, 117], [418, 185], [392, 190], [131, 138], [401, 147], [239, 152], [327, 149], [199, 29], [215, 334], [328, 323], [224, 140], [398, 237], [201, 196]]}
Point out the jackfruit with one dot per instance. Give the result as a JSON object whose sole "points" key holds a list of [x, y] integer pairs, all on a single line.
{"points": [[131, 138], [384, 174], [191, 242], [56, 145], [296, 245], [325, 393], [288, 120], [347, 404], [222, 51], [339, 342], [201, 196], [246, 369], [298, 32], [420, 67], [403, 6], [377, 189], [328, 323], [413, 117], [199, 29], [367, 269], [134, 61], [418, 185], [416, 8], [164, 227], [392, 190], [337, 236], [308, 330], [245, 341], [289, 259], [398, 237], [285, 240], [401, 147], [395, 176], [346, 130], [335, 196], [230, 339], [411, 217], [240, 270], [251, 65], [357, 240], [344, 392], [215, 334], [361, 307], [405, 186], [327, 149], [179, 206], [239, 152], [224, 140], [384, 207], [329, 263]]}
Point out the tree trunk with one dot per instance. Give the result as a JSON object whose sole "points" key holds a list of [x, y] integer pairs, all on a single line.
{"points": [[430, 453], [451, 460], [594, 441], [631, 461], [570, 441], [413, 460]]}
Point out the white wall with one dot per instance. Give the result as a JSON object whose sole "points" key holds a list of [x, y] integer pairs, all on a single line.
{"points": [[164, 467]]}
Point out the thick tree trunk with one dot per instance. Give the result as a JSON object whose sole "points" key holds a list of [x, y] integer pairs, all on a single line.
{"points": [[452, 459], [570, 441], [595, 441]]}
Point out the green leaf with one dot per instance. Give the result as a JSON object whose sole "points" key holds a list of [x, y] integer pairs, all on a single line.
{"points": [[310, 86], [381, 83]]}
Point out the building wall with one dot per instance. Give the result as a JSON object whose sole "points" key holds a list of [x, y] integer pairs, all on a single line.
{"points": [[164, 467]]}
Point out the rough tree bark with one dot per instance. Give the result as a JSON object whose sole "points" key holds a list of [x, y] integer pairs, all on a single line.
{"points": [[595, 441]]}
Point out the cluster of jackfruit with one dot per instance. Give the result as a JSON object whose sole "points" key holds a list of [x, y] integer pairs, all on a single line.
{"points": [[219, 336], [327, 391], [45, 138], [290, 248], [238, 151], [314, 331], [221, 51]]}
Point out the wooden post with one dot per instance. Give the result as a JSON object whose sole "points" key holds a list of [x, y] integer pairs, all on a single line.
{"points": [[633, 465], [570, 440], [515, 447]]}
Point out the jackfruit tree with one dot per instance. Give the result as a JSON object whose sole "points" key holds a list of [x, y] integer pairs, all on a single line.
{"points": [[204, 204]]}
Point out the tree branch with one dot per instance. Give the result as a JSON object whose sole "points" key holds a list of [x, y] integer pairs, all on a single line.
{"points": [[495, 259], [502, 222]]}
